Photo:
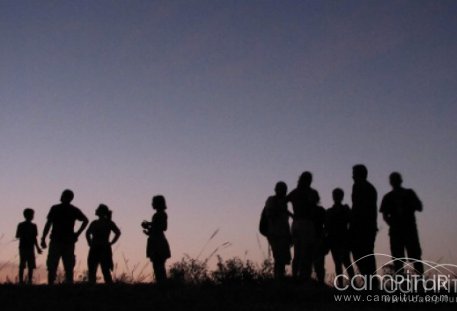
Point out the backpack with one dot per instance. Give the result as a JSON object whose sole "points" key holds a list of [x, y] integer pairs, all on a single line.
{"points": [[263, 225]]}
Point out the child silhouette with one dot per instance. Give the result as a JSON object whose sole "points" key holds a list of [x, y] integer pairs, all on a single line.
{"points": [[27, 233]]}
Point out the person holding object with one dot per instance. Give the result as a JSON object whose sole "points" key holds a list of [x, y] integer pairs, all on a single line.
{"points": [[158, 249]]}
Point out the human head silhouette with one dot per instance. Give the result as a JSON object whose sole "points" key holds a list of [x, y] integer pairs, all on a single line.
{"points": [[28, 214], [281, 189], [158, 203], [359, 172], [338, 195], [67, 196], [103, 211], [305, 180], [395, 180]]}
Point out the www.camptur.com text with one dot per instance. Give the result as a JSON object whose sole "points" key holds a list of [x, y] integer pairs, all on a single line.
{"points": [[393, 298]]}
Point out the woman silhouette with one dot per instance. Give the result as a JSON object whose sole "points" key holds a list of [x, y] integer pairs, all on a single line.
{"points": [[157, 250]]}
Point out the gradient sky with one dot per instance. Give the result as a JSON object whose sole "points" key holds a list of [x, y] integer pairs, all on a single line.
{"points": [[211, 102]]}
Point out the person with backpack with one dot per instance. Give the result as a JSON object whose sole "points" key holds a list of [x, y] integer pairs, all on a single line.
{"points": [[275, 227]]}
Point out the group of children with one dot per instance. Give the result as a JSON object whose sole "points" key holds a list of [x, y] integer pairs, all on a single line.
{"points": [[98, 238]]}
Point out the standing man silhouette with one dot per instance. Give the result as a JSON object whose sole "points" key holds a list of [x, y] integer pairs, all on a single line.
{"points": [[363, 227], [398, 208], [61, 219]]}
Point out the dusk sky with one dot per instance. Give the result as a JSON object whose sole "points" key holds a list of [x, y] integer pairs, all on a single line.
{"points": [[210, 103]]}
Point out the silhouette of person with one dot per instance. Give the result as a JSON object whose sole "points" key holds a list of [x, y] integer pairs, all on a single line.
{"points": [[321, 248], [158, 249], [337, 231], [278, 235], [305, 238], [398, 208], [100, 252], [61, 218], [27, 233], [363, 227]]}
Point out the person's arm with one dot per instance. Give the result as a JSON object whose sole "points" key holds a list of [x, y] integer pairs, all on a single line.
{"points": [[18, 231], [385, 210], [146, 225], [164, 222], [89, 235], [417, 204], [288, 199], [46, 229], [117, 233], [38, 249], [84, 222]]}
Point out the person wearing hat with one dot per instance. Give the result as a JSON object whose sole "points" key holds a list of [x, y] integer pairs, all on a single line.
{"points": [[98, 238]]}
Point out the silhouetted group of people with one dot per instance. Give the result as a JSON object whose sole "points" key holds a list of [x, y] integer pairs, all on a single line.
{"points": [[314, 232], [339, 229], [101, 234]]}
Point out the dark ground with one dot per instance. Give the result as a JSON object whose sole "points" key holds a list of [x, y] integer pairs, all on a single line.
{"points": [[236, 296]]}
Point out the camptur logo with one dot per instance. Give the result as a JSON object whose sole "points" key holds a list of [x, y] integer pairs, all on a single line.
{"points": [[437, 277]]}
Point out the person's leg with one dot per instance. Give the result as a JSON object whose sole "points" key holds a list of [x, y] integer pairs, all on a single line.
{"points": [[307, 256], [362, 251], [336, 256], [371, 264], [68, 258], [297, 251], [31, 265], [307, 248], [30, 275], [106, 274], [21, 268], [397, 250], [318, 261], [105, 263], [346, 260], [159, 270], [92, 266], [414, 249], [297, 259], [54, 254]]}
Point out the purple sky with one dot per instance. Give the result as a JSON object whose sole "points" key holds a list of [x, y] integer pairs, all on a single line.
{"points": [[211, 102]]}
